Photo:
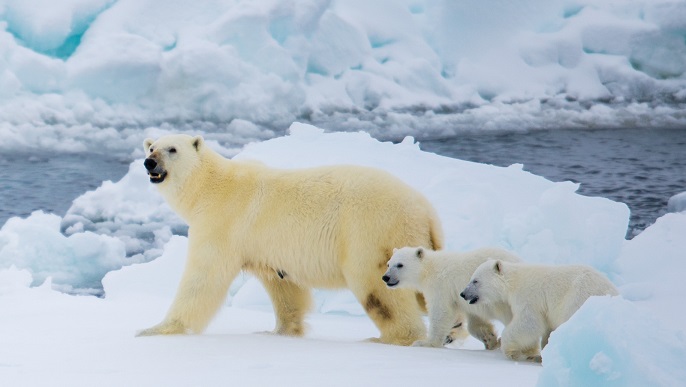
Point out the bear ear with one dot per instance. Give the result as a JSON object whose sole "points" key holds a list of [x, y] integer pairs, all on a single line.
{"points": [[420, 253], [197, 142], [394, 250], [498, 267], [146, 143]]}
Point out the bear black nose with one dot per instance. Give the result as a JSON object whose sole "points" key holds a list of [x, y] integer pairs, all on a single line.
{"points": [[385, 278], [150, 164], [462, 295]]}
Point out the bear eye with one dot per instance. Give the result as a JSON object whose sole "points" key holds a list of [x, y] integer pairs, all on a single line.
{"points": [[476, 281], [152, 149], [399, 265], [172, 150]]}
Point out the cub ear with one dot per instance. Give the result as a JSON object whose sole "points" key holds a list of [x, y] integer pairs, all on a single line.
{"points": [[420, 253], [394, 250], [146, 143], [198, 141], [498, 267]]}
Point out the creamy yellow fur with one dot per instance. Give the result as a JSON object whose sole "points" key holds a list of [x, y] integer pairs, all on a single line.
{"points": [[327, 227]]}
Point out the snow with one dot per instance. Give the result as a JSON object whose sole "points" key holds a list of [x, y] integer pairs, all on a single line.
{"points": [[89, 68], [37, 243], [677, 203], [613, 342], [123, 235]]}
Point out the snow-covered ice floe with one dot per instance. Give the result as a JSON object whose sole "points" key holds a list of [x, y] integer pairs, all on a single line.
{"points": [[51, 337]]}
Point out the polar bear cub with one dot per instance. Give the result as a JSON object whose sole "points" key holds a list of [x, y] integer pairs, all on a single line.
{"points": [[441, 276], [541, 298]]}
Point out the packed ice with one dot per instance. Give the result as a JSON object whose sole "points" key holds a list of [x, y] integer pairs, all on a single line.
{"points": [[101, 68]]}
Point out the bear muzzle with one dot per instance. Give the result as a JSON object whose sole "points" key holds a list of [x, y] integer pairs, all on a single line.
{"points": [[472, 299], [155, 171], [389, 282]]}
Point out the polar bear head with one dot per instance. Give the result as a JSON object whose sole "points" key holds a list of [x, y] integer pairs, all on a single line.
{"points": [[172, 159], [487, 284], [404, 268]]}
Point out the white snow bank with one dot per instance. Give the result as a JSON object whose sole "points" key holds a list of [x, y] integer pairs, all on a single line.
{"points": [[613, 342], [652, 265], [677, 203], [389, 67], [75, 263], [13, 279]]}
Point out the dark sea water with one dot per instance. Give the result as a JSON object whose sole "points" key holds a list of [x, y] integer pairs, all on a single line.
{"points": [[642, 168], [51, 181]]}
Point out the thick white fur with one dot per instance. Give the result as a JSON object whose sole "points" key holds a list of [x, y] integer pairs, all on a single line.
{"points": [[328, 227], [441, 276], [541, 298]]}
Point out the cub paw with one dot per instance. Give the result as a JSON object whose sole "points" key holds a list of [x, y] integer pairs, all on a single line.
{"points": [[491, 341], [535, 359], [457, 333], [427, 344]]}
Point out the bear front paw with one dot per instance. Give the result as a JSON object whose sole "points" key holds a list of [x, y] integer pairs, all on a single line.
{"points": [[172, 328], [427, 344]]}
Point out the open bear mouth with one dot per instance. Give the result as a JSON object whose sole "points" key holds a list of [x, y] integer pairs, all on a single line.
{"points": [[473, 300], [157, 177]]}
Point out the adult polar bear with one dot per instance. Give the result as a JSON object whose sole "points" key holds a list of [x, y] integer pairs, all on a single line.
{"points": [[327, 227]]}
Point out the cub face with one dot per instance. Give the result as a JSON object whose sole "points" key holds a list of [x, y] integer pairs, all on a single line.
{"points": [[404, 268], [486, 284], [172, 157]]}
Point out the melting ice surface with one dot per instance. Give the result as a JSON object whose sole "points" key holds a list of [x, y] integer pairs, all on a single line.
{"points": [[93, 70], [638, 338]]}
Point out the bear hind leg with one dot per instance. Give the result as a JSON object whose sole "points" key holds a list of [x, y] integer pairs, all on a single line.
{"points": [[395, 312], [523, 354], [522, 337]]}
